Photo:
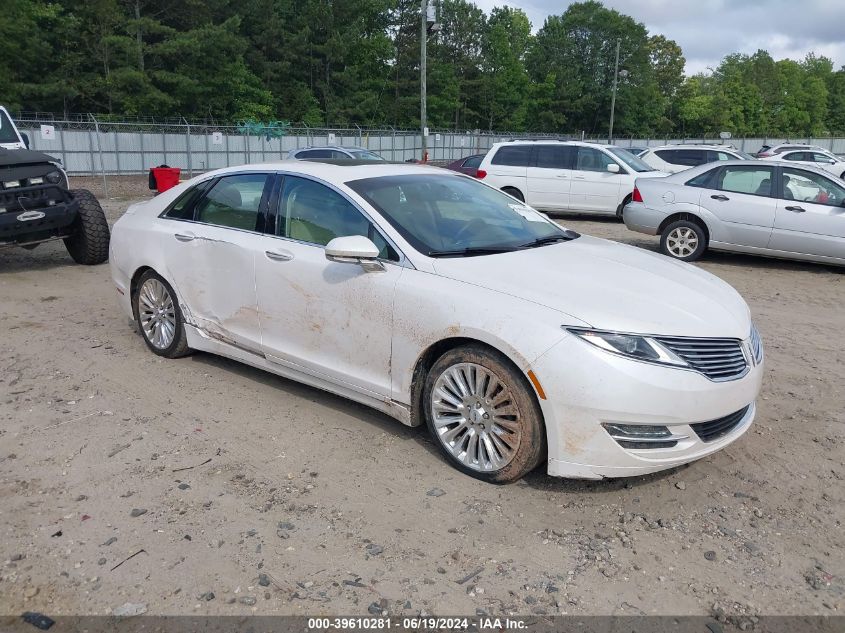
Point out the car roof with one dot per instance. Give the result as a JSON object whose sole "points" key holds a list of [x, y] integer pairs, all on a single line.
{"points": [[687, 174], [337, 170], [353, 148], [728, 148], [555, 140]]}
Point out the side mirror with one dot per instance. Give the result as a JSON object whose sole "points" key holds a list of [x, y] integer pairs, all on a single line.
{"points": [[354, 249], [25, 138], [613, 168]]}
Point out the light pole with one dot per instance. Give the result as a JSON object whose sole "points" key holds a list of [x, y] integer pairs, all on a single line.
{"points": [[428, 25], [423, 42], [616, 75]]}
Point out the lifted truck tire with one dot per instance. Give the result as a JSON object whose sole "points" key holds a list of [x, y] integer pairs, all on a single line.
{"points": [[89, 243]]}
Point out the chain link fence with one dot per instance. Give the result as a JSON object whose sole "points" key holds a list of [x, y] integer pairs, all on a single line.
{"points": [[91, 146]]}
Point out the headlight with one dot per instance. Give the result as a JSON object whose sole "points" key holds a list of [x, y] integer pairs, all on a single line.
{"points": [[54, 177], [633, 346]]}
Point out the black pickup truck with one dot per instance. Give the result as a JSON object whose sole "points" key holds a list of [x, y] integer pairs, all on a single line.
{"points": [[37, 205]]}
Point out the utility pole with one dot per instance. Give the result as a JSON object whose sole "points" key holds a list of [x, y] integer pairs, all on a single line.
{"points": [[423, 42], [613, 98]]}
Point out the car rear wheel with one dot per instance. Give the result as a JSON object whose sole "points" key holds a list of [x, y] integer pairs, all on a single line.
{"points": [[89, 242], [482, 414], [684, 240], [621, 208], [158, 316], [516, 193]]}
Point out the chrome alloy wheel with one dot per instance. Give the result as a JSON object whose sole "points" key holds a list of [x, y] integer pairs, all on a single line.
{"points": [[157, 313], [475, 417], [682, 241]]}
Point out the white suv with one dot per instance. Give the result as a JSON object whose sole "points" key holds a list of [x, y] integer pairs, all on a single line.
{"points": [[565, 175], [675, 158], [817, 157]]}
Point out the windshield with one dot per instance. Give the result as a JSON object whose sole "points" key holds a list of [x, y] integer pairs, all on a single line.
{"points": [[634, 162], [744, 155], [366, 155], [7, 130], [443, 215]]}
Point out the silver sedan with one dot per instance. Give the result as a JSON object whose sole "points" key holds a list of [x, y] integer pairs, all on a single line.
{"points": [[759, 207]]}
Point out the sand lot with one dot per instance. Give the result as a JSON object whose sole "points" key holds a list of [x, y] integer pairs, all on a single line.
{"points": [[293, 501]]}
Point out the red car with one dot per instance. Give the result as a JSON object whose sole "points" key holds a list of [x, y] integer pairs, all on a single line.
{"points": [[467, 165]]}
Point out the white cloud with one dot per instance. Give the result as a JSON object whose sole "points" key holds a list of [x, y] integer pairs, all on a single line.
{"points": [[707, 30]]}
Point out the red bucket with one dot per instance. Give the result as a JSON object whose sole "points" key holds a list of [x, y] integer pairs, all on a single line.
{"points": [[165, 177]]}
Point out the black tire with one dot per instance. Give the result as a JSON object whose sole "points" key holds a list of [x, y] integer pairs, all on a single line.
{"points": [[842, 175], [179, 346], [531, 445], [516, 193], [677, 252], [89, 242], [621, 208]]}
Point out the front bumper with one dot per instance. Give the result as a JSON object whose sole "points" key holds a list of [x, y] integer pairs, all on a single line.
{"points": [[586, 387], [638, 217], [33, 214]]}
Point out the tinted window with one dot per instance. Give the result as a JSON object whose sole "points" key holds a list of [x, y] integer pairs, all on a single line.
{"points": [[756, 181], [554, 156], [233, 201], [183, 208], [590, 159], [795, 156], [317, 153], [686, 157], [365, 155], [513, 155], [473, 161], [7, 130], [702, 180], [808, 187], [313, 213]]}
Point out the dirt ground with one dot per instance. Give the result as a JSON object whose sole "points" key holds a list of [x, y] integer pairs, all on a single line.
{"points": [[254, 494]]}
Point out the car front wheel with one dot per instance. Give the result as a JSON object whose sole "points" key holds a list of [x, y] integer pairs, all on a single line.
{"points": [[684, 240], [483, 416], [158, 316]]}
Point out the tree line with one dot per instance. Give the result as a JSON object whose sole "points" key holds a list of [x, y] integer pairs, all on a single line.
{"points": [[356, 62]]}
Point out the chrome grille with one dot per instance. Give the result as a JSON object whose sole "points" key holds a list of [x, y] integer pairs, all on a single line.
{"points": [[756, 345], [716, 358]]}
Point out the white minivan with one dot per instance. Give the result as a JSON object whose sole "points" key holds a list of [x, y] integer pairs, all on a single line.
{"points": [[565, 175]]}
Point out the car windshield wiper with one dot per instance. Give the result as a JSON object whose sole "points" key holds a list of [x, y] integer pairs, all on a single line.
{"points": [[549, 239], [474, 250]]}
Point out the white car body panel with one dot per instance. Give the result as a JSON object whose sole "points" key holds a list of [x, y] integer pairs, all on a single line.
{"points": [[548, 189], [361, 334]]}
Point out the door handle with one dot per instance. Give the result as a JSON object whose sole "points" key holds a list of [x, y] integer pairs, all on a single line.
{"points": [[579, 177], [185, 237], [795, 209], [719, 197], [562, 176], [278, 257]]}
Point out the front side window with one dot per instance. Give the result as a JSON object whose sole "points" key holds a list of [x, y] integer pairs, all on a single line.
{"points": [[233, 201], [449, 216], [7, 130], [311, 212], [590, 159], [714, 156], [822, 158], [513, 156], [554, 156], [316, 153], [756, 181], [805, 186]]}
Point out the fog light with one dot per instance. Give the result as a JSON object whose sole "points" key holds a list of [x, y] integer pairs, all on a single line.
{"points": [[642, 436], [36, 181], [10, 184]]}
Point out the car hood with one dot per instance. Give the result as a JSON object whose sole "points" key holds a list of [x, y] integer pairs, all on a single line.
{"points": [[611, 287], [10, 157]]}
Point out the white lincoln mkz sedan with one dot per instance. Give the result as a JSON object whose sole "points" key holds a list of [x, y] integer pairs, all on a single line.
{"points": [[442, 301]]}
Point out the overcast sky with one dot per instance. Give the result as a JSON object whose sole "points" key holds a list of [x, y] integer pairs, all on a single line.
{"points": [[707, 30]]}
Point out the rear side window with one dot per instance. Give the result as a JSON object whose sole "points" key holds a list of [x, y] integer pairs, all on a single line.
{"points": [[795, 156], [756, 181], [702, 180], [183, 208], [685, 157], [316, 153], [472, 162], [513, 155], [234, 202], [554, 156]]}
